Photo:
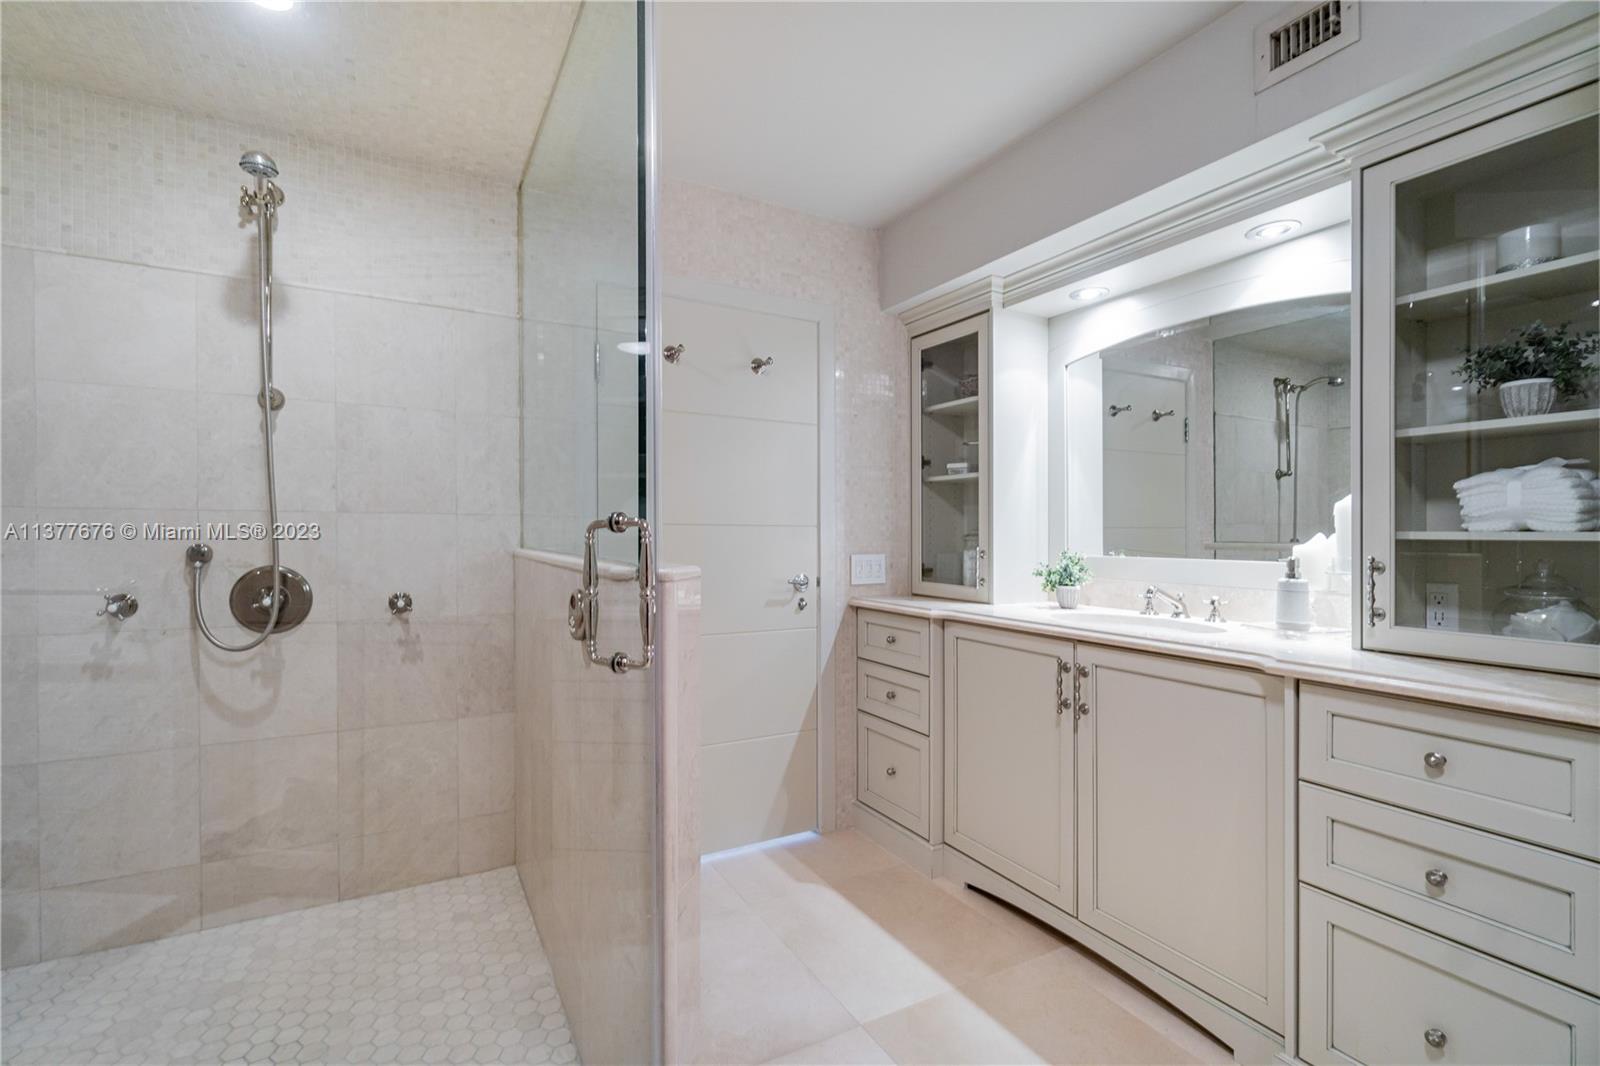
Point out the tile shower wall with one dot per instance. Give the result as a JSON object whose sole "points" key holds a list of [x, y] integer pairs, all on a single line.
{"points": [[152, 784], [709, 235]]}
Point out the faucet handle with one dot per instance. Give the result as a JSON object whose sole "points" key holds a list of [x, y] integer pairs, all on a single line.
{"points": [[1149, 600], [1217, 603]]}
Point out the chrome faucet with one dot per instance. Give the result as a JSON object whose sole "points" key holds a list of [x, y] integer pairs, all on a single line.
{"points": [[1179, 609]]}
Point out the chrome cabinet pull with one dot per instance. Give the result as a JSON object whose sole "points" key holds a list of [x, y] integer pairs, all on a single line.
{"points": [[890, 695], [1436, 878], [1434, 760], [890, 772], [1062, 703], [1375, 614], [889, 639], [583, 606], [672, 353], [1435, 1038]]}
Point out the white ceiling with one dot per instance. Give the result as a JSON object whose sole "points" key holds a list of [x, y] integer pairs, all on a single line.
{"points": [[859, 111], [461, 86]]}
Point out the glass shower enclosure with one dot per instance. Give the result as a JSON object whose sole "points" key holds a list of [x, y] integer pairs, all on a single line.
{"points": [[587, 733]]}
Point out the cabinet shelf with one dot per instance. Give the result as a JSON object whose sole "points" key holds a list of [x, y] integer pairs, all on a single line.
{"points": [[965, 405], [950, 479], [1556, 278], [1585, 537], [1500, 427]]}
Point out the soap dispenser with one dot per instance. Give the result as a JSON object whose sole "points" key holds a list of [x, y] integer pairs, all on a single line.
{"points": [[1294, 598]]}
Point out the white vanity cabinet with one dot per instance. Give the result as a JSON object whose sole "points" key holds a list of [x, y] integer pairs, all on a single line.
{"points": [[899, 734], [1450, 894], [978, 426], [1180, 820], [1009, 766], [1465, 240]]}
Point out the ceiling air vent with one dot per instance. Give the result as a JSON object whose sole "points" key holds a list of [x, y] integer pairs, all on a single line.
{"points": [[1311, 33]]}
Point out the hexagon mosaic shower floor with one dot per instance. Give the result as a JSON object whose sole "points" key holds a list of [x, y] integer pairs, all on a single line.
{"points": [[449, 972]]}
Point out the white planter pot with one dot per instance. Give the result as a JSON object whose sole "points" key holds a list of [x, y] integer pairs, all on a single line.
{"points": [[1531, 396], [1067, 596]]}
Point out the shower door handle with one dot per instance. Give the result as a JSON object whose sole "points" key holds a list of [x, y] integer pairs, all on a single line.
{"points": [[583, 607]]}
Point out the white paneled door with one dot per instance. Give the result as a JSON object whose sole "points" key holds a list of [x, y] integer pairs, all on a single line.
{"points": [[739, 500]]}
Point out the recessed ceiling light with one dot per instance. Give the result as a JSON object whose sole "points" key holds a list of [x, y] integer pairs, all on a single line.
{"points": [[1088, 292], [1271, 231], [276, 5]]}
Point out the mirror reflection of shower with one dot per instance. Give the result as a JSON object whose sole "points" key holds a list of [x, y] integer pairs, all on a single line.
{"points": [[273, 598], [1287, 416]]}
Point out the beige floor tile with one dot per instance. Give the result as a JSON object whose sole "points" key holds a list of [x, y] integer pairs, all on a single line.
{"points": [[717, 897], [764, 874], [1143, 1004], [1043, 1010], [1005, 915], [851, 1048], [757, 999], [885, 940]]}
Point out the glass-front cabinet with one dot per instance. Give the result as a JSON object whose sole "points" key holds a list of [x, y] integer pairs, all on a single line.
{"points": [[1480, 436], [951, 480]]}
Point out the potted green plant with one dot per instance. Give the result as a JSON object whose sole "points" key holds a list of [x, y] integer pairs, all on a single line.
{"points": [[1533, 367], [1064, 577]]}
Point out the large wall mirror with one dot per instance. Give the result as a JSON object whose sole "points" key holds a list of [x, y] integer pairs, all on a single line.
{"points": [[1206, 405], [1227, 437]]}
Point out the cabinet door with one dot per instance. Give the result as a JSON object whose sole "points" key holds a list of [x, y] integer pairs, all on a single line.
{"points": [[1009, 756], [1472, 249], [950, 453], [1180, 808]]}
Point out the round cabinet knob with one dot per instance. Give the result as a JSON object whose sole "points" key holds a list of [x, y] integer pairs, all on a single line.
{"points": [[889, 639], [889, 695], [1436, 878], [1435, 1038], [1434, 760], [890, 772]]}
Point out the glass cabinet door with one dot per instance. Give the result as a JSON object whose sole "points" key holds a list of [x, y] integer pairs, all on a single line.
{"points": [[1481, 515], [950, 456]]}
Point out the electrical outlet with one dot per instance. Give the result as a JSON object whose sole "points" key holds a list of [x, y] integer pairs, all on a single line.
{"points": [[869, 570], [1444, 606]]}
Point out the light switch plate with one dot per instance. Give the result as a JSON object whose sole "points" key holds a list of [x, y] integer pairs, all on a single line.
{"points": [[869, 570]]}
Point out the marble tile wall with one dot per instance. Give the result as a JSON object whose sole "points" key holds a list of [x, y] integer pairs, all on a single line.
{"points": [[709, 235], [152, 784], [589, 805]]}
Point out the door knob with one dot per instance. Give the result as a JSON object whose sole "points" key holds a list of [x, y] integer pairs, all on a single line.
{"points": [[800, 582]]}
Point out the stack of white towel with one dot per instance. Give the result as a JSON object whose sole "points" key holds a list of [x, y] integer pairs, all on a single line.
{"points": [[1557, 495]]}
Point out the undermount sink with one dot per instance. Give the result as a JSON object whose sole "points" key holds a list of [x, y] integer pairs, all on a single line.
{"points": [[1160, 621], [1105, 616]]}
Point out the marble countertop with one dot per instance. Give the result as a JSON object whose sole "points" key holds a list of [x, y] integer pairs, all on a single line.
{"points": [[1326, 658]]}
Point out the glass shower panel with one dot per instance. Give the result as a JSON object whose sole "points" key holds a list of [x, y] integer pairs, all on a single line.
{"points": [[583, 293], [586, 738]]}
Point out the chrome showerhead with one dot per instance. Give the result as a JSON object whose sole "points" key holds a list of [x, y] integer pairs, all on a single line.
{"points": [[259, 164]]}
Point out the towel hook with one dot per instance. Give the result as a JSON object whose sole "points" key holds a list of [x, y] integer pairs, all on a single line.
{"points": [[760, 366], [1118, 408]]}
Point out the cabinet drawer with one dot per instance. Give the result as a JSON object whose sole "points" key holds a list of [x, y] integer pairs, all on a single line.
{"points": [[898, 695], [1375, 991], [1529, 780], [892, 772], [893, 640], [1530, 906]]}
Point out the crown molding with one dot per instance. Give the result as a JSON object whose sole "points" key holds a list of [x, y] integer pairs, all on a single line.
{"points": [[1552, 64], [1307, 171], [973, 298]]}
